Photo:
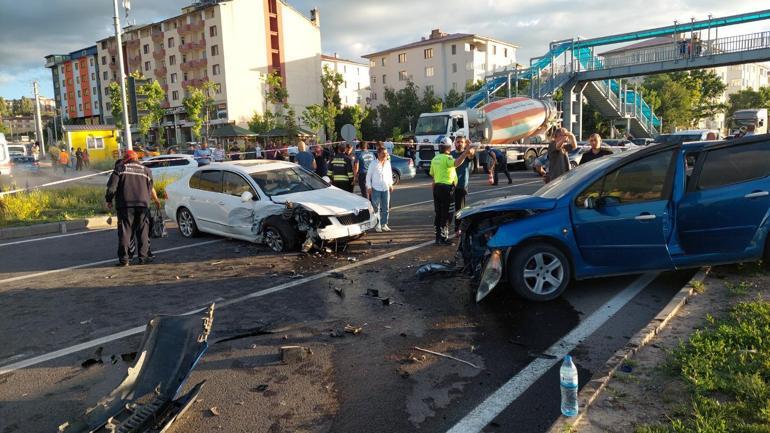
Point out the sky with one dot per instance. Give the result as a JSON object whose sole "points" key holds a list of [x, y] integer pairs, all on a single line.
{"points": [[32, 29]]}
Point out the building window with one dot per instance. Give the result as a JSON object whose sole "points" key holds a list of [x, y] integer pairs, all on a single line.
{"points": [[210, 13], [212, 31], [454, 86], [80, 107], [175, 95], [91, 61], [112, 59], [384, 79], [170, 42], [184, 76], [172, 60], [215, 70], [428, 53], [78, 93], [429, 71], [402, 76], [105, 76], [96, 105], [468, 48], [374, 79], [146, 66], [374, 96], [454, 49], [505, 52], [93, 76], [454, 68], [402, 58], [76, 66], [173, 77], [93, 91], [494, 50], [95, 142], [218, 89], [146, 49], [371, 63], [429, 89], [77, 79], [214, 50], [61, 68], [382, 61], [108, 106]]}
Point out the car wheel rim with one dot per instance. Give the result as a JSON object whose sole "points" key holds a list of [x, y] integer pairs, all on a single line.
{"points": [[185, 223], [543, 273], [273, 240]]}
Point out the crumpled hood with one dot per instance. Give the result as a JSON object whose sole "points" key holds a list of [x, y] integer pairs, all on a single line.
{"points": [[326, 202], [516, 202]]}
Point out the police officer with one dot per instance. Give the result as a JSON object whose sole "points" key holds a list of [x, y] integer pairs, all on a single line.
{"points": [[341, 169], [131, 187], [444, 173]]}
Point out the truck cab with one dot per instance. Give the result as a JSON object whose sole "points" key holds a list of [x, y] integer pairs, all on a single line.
{"points": [[432, 127], [742, 119]]}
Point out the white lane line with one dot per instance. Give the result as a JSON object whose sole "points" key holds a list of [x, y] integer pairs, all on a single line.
{"points": [[139, 329], [102, 262], [490, 408], [26, 241], [471, 193]]}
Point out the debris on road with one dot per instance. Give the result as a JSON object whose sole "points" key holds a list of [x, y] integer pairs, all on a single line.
{"points": [[374, 293], [218, 262], [444, 355], [339, 291], [337, 275], [261, 387], [214, 411], [431, 269], [355, 330], [145, 400], [294, 354]]}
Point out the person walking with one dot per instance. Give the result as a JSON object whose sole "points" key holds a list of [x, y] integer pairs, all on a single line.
{"points": [[304, 158], [596, 151], [341, 170], [131, 188], [498, 161], [361, 166], [444, 174], [465, 155], [561, 143], [64, 160], [378, 184]]}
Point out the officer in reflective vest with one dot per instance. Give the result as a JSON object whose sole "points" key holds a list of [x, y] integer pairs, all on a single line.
{"points": [[341, 170]]}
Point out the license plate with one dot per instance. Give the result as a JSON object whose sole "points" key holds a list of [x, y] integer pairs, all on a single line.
{"points": [[366, 226]]}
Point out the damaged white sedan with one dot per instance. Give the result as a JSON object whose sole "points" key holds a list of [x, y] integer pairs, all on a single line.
{"points": [[276, 203]]}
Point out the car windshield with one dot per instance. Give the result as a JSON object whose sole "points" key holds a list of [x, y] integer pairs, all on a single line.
{"points": [[432, 125], [566, 182], [287, 181]]}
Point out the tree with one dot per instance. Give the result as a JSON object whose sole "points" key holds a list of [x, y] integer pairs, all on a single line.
{"points": [[194, 104], [669, 99], [706, 88], [4, 111], [593, 121], [453, 98], [314, 117], [116, 104], [275, 93], [151, 104], [261, 123], [23, 106], [330, 85], [353, 115], [748, 98], [290, 123]]}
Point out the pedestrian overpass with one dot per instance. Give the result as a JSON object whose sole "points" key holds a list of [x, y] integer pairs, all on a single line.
{"points": [[573, 66]]}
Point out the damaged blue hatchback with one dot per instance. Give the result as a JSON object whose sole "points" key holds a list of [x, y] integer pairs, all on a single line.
{"points": [[656, 208]]}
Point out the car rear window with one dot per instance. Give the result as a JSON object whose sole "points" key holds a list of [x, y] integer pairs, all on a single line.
{"points": [[735, 164]]}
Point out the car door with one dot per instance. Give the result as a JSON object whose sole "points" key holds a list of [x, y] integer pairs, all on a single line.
{"points": [[205, 192], [726, 202], [237, 214], [622, 221]]}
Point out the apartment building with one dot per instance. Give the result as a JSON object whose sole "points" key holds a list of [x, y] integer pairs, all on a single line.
{"points": [[231, 43], [355, 86], [76, 85], [441, 62]]}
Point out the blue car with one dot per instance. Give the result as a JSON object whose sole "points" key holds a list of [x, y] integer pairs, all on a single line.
{"points": [[656, 208], [403, 168]]}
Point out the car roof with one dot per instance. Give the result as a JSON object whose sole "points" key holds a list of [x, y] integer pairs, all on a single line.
{"points": [[251, 165], [706, 145], [171, 155], [694, 131]]}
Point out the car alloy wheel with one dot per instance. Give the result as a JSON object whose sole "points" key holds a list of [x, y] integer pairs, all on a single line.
{"points": [[274, 240], [186, 223], [543, 273]]}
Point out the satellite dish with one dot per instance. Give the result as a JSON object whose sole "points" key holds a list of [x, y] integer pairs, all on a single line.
{"points": [[348, 133]]}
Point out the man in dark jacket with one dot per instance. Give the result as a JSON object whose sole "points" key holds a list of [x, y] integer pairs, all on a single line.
{"points": [[130, 186], [341, 169]]}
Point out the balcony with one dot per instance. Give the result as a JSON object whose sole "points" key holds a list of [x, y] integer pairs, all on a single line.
{"points": [[160, 72], [133, 43], [192, 46], [157, 37], [112, 50], [190, 28], [135, 60], [195, 82], [159, 54], [193, 65]]}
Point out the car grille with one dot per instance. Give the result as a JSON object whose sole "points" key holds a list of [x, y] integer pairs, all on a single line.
{"points": [[427, 153], [350, 218]]}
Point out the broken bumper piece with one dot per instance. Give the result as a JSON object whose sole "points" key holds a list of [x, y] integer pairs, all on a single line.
{"points": [[147, 400]]}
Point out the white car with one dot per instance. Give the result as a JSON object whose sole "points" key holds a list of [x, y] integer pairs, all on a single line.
{"points": [[5, 157], [170, 167], [276, 203]]}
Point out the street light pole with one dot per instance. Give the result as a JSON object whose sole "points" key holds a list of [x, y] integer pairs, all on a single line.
{"points": [[122, 76], [38, 119]]}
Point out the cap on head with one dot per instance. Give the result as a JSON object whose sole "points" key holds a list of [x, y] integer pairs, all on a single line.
{"points": [[131, 155], [446, 141]]}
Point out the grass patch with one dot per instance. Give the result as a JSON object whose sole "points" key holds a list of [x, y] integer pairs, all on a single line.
{"points": [[740, 288], [698, 286], [727, 369]]}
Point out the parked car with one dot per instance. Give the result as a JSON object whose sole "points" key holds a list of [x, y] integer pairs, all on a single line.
{"points": [[656, 208], [170, 167], [5, 157], [687, 136], [574, 160], [643, 141], [276, 203], [403, 168], [18, 152]]}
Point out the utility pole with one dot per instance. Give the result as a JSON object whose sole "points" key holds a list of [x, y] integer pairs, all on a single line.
{"points": [[122, 76], [38, 120]]}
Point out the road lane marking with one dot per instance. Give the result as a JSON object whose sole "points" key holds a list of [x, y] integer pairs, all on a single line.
{"points": [[102, 262], [470, 193], [26, 241], [139, 329], [496, 403]]}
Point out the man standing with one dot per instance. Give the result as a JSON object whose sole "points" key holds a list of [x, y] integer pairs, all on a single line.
{"points": [[203, 155], [463, 155], [378, 184], [361, 166], [341, 170], [444, 174], [219, 153], [497, 161], [596, 151], [562, 142], [389, 146], [321, 162], [304, 158], [130, 186]]}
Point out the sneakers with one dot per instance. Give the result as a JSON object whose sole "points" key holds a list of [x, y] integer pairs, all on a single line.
{"points": [[385, 228], [378, 228]]}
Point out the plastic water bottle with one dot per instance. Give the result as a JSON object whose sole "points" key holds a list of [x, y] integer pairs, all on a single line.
{"points": [[568, 379]]}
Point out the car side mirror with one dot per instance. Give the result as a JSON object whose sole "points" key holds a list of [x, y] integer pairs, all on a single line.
{"points": [[326, 179], [591, 203], [246, 196]]}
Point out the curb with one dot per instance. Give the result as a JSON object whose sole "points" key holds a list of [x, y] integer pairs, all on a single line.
{"points": [[591, 391], [97, 222]]}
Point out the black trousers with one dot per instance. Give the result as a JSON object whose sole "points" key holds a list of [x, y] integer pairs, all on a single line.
{"points": [[133, 222], [460, 194], [442, 201], [345, 186], [504, 168], [362, 184]]}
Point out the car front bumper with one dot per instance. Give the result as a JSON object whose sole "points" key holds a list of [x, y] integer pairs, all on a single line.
{"points": [[335, 230]]}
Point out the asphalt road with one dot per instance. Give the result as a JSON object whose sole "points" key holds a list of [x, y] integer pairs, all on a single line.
{"points": [[66, 304]]}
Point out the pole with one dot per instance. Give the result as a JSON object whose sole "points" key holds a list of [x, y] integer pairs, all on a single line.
{"points": [[122, 76], [38, 120], [55, 132]]}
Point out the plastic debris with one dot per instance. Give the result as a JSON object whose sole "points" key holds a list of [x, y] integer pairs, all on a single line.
{"points": [[444, 355], [355, 330], [431, 269], [339, 291]]}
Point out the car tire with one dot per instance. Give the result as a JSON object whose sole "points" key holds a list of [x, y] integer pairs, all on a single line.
{"points": [[573, 165], [280, 236], [539, 272], [186, 223], [396, 177], [529, 158]]}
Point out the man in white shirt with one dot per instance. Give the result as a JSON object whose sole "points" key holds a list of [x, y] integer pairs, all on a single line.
{"points": [[379, 185]]}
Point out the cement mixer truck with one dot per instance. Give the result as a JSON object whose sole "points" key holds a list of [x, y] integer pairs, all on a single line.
{"points": [[505, 124]]}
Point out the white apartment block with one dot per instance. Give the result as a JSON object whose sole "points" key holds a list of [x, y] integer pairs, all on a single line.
{"points": [[441, 62], [355, 87], [232, 43]]}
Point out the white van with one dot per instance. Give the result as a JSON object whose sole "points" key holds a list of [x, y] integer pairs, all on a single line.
{"points": [[5, 157]]}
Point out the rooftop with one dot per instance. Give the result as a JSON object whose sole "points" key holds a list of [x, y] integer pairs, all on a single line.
{"points": [[436, 35], [336, 58], [88, 128]]}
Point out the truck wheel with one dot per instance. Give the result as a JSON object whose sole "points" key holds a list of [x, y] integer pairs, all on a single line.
{"points": [[539, 272], [529, 158], [280, 236], [543, 151]]}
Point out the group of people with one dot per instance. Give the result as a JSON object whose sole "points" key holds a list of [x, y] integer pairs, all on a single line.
{"points": [[73, 159]]}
